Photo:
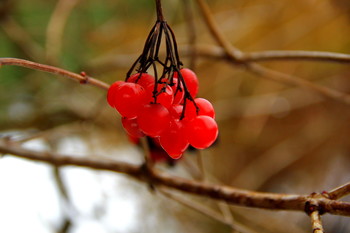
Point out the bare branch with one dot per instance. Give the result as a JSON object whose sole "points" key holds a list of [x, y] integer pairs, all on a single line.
{"points": [[216, 52], [233, 53], [316, 222], [235, 56], [339, 192], [22, 38], [296, 55], [83, 79], [196, 206], [55, 28], [228, 194], [160, 16], [296, 81]]}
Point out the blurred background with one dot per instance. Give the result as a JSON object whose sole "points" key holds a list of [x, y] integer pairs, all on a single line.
{"points": [[273, 137]]}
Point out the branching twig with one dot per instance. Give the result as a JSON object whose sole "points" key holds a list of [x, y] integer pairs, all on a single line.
{"points": [[232, 52], [54, 70], [235, 56], [228, 194]]}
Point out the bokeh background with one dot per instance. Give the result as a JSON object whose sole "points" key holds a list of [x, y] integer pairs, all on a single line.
{"points": [[273, 137]]}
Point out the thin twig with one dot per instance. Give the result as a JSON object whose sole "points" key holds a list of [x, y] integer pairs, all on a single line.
{"points": [[339, 192], [160, 16], [196, 206], [191, 32], [232, 52], [83, 79], [111, 62], [299, 55], [55, 28], [235, 56], [216, 52], [316, 222], [295, 81], [22, 38], [228, 194]]}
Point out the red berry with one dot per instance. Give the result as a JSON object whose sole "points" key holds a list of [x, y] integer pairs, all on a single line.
{"points": [[165, 96], [176, 111], [205, 107], [191, 81], [129, 98], [153, 119], [202, 132], [158, 154], [178, 93], [131, 127], [142, 79], [112, 91], [174, 140], [190, 111]]}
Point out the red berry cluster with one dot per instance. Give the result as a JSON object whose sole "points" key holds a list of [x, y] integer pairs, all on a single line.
{"points": [[166, 110]]}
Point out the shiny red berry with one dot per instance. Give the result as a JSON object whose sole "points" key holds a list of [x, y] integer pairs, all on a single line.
{"points": [[202, 132], [142, 79], [112, 91], [153, 119], [129, 98], [191, 81], [131, 127], [174, 140]]}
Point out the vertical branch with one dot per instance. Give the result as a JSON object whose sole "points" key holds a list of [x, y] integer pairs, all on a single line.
{"points": [[232, 52], [191, 31], [55, 28], [316, 222], [160, 16]]}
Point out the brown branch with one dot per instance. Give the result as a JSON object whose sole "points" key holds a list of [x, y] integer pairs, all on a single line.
{"points": [[235, 56], [316, 222], [233, 53], [83, 79], [55, 28], [216, 52], [339, 192], [21, 38], [160, 16], [280, 55], [196, 206], [228, 194], [191, 32], [296, 81]]}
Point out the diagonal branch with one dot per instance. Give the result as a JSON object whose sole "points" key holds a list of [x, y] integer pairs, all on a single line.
{"points": [[235, 56], [83, 79], [339, 192], [231, 195]]}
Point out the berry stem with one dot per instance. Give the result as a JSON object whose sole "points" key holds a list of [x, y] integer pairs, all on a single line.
{"points": [[160, 16]]}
